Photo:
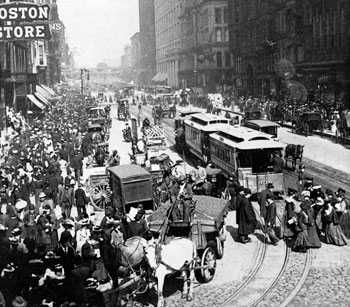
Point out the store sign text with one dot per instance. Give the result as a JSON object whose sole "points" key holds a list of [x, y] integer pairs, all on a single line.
{"points": [[24, 21], [33, 32], [24, 12]]}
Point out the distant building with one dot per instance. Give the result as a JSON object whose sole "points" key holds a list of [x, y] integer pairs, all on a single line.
{"points": [[168, 40], [312, 35], [147, 68], [204, 59]]}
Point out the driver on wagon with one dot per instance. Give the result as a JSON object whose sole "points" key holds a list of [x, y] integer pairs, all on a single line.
{"points": [[181, 195], [199, 175]]}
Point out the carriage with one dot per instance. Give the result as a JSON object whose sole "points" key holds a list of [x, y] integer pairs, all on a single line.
{"points": [[206, 229], [307, 122], [123, 109]]}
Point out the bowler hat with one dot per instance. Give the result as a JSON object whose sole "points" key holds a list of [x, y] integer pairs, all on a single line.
{"points": [[19, 301], [270, 185]]}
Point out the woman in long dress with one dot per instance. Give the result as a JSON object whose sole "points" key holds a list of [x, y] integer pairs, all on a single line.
{"points": [[342, 209], [310, 224], [333, 233]]}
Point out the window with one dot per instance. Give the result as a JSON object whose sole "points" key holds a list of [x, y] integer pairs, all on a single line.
{"points": [[227, 59], [205, 17], [218, 34], [218, 59], [41, 54], [225, 15], [218, 15], [227, 35]]}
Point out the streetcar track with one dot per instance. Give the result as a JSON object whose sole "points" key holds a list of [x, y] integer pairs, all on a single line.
{"points": [[301, 281]]}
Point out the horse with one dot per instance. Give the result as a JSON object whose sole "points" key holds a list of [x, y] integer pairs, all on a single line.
{"points": [[295, 152], [178, 255]]}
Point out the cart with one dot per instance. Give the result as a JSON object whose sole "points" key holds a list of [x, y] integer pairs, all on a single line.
{"points": [[206, 229], [123, 109], [131, 185], [97, 187], [307, 122]]}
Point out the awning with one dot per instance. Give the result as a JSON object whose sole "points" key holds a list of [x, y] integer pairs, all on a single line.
{"points": [[42, 98], [42, 91], [160, 77], [49, 90], [36, 102]]}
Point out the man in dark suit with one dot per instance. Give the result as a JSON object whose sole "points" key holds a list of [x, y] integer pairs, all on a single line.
{"points": [[262, 199], [80, 200], [246, 218]]}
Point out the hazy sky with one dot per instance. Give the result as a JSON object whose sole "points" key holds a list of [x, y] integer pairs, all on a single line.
{"points": [[98, 30]]}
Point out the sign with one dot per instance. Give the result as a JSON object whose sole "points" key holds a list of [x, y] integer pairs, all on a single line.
{"points": [[20, 18], [24, 12], [23, 32]]}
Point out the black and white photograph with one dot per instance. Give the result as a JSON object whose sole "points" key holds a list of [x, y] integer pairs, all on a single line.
{"points": [[174, 153]]}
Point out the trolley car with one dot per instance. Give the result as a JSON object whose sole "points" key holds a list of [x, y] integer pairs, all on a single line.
{"points": [[246, 153], [197, 131]]}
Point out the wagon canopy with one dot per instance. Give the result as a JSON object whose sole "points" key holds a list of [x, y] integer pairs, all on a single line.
{"points": [[128, 171]]}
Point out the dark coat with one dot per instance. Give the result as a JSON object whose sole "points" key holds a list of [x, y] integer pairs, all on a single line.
{"points": [[80, 198], [262, 202], [246, 217]]}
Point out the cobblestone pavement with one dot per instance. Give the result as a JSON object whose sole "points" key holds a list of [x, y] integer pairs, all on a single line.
{"points": [[328, 282]]}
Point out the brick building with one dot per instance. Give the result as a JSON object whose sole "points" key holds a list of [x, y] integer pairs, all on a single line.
{"points": [[311, 37]]}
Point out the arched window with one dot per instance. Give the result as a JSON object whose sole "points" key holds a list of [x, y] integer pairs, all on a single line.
{"points": [[218, 33], [219, 59], [227, 59]]}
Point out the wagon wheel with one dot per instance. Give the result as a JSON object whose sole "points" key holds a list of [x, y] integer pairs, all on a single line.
{"points": [[100, 194], [208, 266]]}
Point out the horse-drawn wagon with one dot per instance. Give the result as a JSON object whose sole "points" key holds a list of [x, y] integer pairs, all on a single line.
{"points": [[206, 230], [307, 122], [123, 109]]}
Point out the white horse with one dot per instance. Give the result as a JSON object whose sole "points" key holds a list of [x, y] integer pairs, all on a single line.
{"points": [[179, 255]]}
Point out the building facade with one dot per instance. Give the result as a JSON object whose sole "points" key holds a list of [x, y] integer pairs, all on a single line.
{"points": [[205, 59], [135, 56], [168, 40], [288, 43], [147, 68]]}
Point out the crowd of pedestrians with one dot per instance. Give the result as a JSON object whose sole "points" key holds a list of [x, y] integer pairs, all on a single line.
{"points": [[51, 248]]}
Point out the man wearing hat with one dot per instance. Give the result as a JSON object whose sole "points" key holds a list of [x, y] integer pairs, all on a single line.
{"points": [[81, 201], [181, 195], [245, 217], [301, 179], [262, 199]]}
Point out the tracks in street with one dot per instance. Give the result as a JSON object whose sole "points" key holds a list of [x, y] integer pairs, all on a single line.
{"points": [[275, 278]]}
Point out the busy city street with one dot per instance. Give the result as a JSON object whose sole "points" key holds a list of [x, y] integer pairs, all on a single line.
{"points": [[174, 153]]}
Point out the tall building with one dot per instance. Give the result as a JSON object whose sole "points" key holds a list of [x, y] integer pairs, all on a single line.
{"points": [[205, 59], [168, 40], [310, 38], [147, 68], [135, 56]]}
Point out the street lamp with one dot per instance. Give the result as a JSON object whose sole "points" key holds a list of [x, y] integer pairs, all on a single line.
{"points": [[82, 78]]}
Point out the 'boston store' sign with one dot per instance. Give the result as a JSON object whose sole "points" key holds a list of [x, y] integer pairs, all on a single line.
{"points": [[22, 20]]}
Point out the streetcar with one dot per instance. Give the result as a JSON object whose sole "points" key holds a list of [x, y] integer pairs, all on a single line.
{"points": [[197, 131], [247, 154], [262, 125]]}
